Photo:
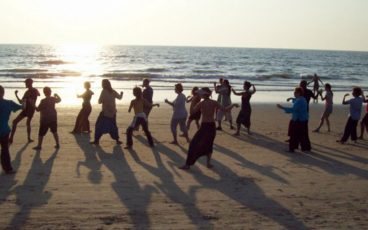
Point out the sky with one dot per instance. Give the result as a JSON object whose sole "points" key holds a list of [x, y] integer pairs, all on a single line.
{"points": [[296, 24]]}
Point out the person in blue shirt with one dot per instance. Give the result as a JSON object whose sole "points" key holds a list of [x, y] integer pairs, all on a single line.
{"points": [[299, 124], [6, 107]]}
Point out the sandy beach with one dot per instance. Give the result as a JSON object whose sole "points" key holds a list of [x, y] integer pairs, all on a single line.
{"points": [[255, 183]]}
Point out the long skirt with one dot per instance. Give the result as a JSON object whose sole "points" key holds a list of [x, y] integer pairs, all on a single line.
{"points": [[106, 125], [202, 142], [244, 117], [82, 122], [299, 135]]}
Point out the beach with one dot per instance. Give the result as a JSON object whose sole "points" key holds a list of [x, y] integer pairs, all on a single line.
{"points": [[255, 183]]}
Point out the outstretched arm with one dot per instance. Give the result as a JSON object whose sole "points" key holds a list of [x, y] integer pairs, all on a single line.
{"points": [[168, 102], [130, 106], [236, 93], [344, 102], [120, 96], [57, 97]]}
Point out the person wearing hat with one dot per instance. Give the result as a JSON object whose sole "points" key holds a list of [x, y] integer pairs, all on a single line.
{"points": [[202, 142], [6, 107], [29, 106]]}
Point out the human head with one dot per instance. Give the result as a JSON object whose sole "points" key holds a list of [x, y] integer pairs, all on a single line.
{"points": [[194, 90], [303, 84], [178, 88], [246, 85], [298, 92], [2, 92], [226, 82], [87, 85], [204, 92], [137, 92], [47, 91], [357, 91], [28, 82], [327, 87], [146, 82], [106, 85], [221, 80]]}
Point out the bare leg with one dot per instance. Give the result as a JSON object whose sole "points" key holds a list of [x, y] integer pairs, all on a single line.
{"points": [[237, 129], [219, 127], [209, 161], [231, 124], [56, 137], [29, 129], [39, 145], [14, 128], [320, 125], [328, 124]]}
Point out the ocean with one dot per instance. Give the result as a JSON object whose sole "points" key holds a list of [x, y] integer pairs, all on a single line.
{"points": [[275, 72]]}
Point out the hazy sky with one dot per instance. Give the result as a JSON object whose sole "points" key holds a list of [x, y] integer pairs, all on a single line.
{"points": [[307, 24]]}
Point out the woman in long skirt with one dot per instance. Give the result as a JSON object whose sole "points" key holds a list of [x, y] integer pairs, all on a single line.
{"points": [[202, 142], [82, 122], [106, 121], [246, 110]]}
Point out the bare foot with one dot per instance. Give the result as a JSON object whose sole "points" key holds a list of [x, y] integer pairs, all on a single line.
{"points": [[209, 166], [184, 167], [174, 143], [37, 148], [30, 140], [57, 146], [128, 147]]}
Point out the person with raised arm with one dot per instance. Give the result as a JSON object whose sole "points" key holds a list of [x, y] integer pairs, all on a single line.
{"points": [[6, 107], [48, 117], [82, 122], [246, 110], [28, 101], [316, 80], [106, 121], [364, 122], [140, 118], [356, 104], [328, 108], [299, 127], [202, 142], [180, 114], [225, 92]]}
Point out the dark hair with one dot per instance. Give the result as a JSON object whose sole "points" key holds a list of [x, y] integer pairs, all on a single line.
{"points": [[299, 90], [107, 85], [207, 91], [247, 84], [303, 84], [328, 86], [357, 91], [47, 91], [227, 84], [194, 90], [137, 92], [179, 87], [2, 91]]}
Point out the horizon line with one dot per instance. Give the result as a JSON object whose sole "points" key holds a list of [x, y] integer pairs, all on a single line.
{"points": [[189, 46]]}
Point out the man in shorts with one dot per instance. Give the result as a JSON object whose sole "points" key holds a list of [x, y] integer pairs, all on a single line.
{"points": [[29, 106]]}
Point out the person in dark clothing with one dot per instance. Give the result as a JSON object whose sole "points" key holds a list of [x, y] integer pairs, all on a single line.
{"points": [[29, 106], [6, 107], [82, 122]]}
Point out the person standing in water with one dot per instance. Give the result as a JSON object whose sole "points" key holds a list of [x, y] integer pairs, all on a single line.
{"points": [[48, 117], [180, 114], [202, 142], [356, 104], [29, 107], [194, 100], [140, 117], [6, 107], [225, 92], [328, 108], [106, 121], [246, 110], [82, 122]]}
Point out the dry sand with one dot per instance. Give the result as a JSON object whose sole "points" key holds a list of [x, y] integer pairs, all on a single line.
{"points": [[254, 184]]}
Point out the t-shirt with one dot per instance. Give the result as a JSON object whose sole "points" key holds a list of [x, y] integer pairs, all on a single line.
{"points": [[299, 110], [6, 107], [356, 104], [225, 96], [30, 98], [179, 107], [47, 109], [107, 99], [148, 94]]}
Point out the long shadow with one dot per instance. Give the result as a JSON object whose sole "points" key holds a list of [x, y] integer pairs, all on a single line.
{"points": [[316, 158], [342, 154], [126, 186], [31, 193], [243, 190], [8, 181], [168, 185], [91, 162]]}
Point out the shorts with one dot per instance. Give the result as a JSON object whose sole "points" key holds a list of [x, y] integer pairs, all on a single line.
{"points": [[365, 119], [221, 114], [44, 127], [27, 113]]}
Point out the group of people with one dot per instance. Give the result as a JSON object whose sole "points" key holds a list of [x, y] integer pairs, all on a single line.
{"points": [[202, 107]]}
